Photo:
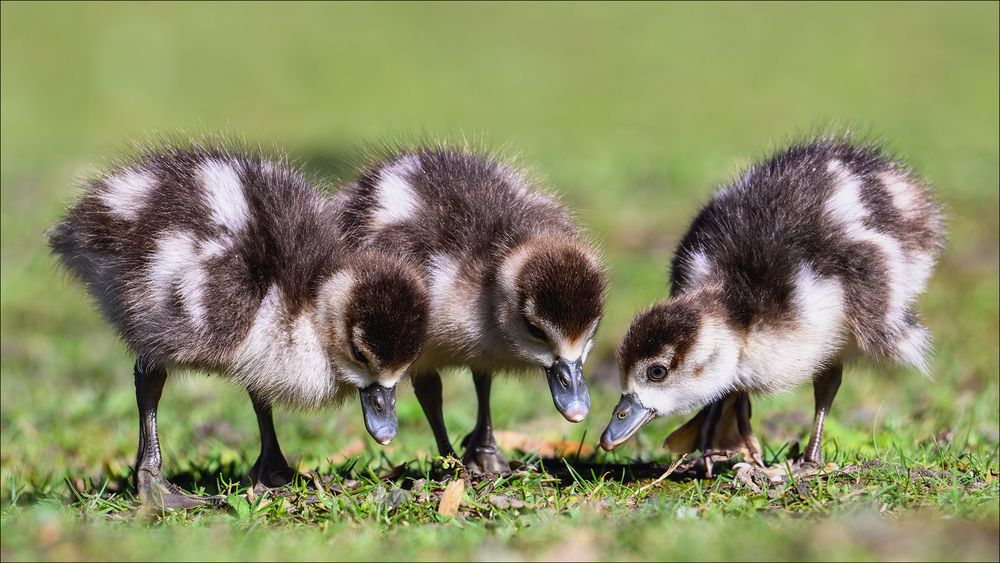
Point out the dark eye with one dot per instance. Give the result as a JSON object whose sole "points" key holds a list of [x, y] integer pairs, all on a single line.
{"points": [[656, 372], [534, 331], [358, 356]]}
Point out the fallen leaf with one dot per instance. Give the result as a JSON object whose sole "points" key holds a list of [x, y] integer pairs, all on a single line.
{"points": [[509, 440], [451, 498], [353, 449]]}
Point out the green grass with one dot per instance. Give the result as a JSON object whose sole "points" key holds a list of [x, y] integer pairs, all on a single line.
{"points": [[633, 113]]}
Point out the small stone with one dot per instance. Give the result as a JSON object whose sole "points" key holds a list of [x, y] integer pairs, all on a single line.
{"points": [[500, 501], [686, 512]]}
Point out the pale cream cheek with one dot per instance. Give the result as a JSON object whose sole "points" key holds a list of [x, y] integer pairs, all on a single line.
{"points": [[682, 391], [659, 400], [392, 379], [352, 374], [674, 397], [526, 347], [709, 373], [539, 354]]}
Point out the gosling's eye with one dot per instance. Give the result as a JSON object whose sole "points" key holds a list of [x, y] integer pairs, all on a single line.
{"points": [[358, 356], [534, 331], [656, 372]]}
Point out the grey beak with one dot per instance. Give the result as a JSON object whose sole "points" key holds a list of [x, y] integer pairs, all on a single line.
{"points": [[569, 390], [628, 418], [379, 407]]}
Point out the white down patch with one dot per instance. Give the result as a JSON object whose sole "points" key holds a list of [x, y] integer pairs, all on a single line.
{"points": [[573, 350], [905, 196], [125, 193], [906, 277], [284, 359], [908, 271], [456, 322], [175, 266], [699, 267], [397, 201], [777, 357], [223, 192]]}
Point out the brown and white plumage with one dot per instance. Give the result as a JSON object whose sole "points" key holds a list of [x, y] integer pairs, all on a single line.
{"points": [[513, 284], [825, 244], [222, 261]]}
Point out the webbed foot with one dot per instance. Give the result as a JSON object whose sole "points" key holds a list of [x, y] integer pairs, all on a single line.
{"points": [[157, 493], [271, 473], [720, 431], [799, 468], [483, 455], [485, 459]]}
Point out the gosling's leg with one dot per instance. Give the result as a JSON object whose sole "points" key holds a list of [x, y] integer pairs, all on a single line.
{"points": [[271, 470], [482, 454], [719, 431], [750, 443], [428, 389], [706, 434], [824, 390], [154, 490]]}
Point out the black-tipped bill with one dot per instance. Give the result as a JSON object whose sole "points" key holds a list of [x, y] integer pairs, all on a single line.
{"points": [[628, 418], [569, 390], [379, 407]]}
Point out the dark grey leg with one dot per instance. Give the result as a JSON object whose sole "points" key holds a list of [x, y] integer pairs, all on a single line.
{"points": [[271, 470], [427, 386], [706, 434], [824, 389], [743, 413], [154, 490], [482, 454]]}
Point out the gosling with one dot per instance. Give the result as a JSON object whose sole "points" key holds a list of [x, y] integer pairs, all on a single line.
{"points": [[824, 247], [221, 261], [514, 286]]}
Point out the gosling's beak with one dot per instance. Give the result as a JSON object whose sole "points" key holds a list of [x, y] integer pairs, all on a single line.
{"points": [[379, 407], [628, 418], [569, 390]]}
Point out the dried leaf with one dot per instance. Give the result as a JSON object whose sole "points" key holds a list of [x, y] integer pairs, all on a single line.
{"points": [[546, 448], [353, 449], [451, 498]]}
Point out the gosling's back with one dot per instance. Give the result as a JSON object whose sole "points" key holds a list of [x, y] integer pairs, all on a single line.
{"points": [[180, 247], [826, 210]]}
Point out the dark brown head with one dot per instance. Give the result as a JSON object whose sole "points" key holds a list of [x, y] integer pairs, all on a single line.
{"points": [[376, 313], [551, 298], [676, 356]]}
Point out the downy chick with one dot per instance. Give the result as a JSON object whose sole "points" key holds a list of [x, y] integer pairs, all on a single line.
{"points": [[825, 244], [513, 284], [220, 261]]}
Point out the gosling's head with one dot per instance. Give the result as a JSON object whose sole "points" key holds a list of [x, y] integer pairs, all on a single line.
{"points": [[376, 315], [551, 299], [677, 356]]}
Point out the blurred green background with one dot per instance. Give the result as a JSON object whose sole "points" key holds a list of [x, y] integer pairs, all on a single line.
{"points": [[632, 112]]}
